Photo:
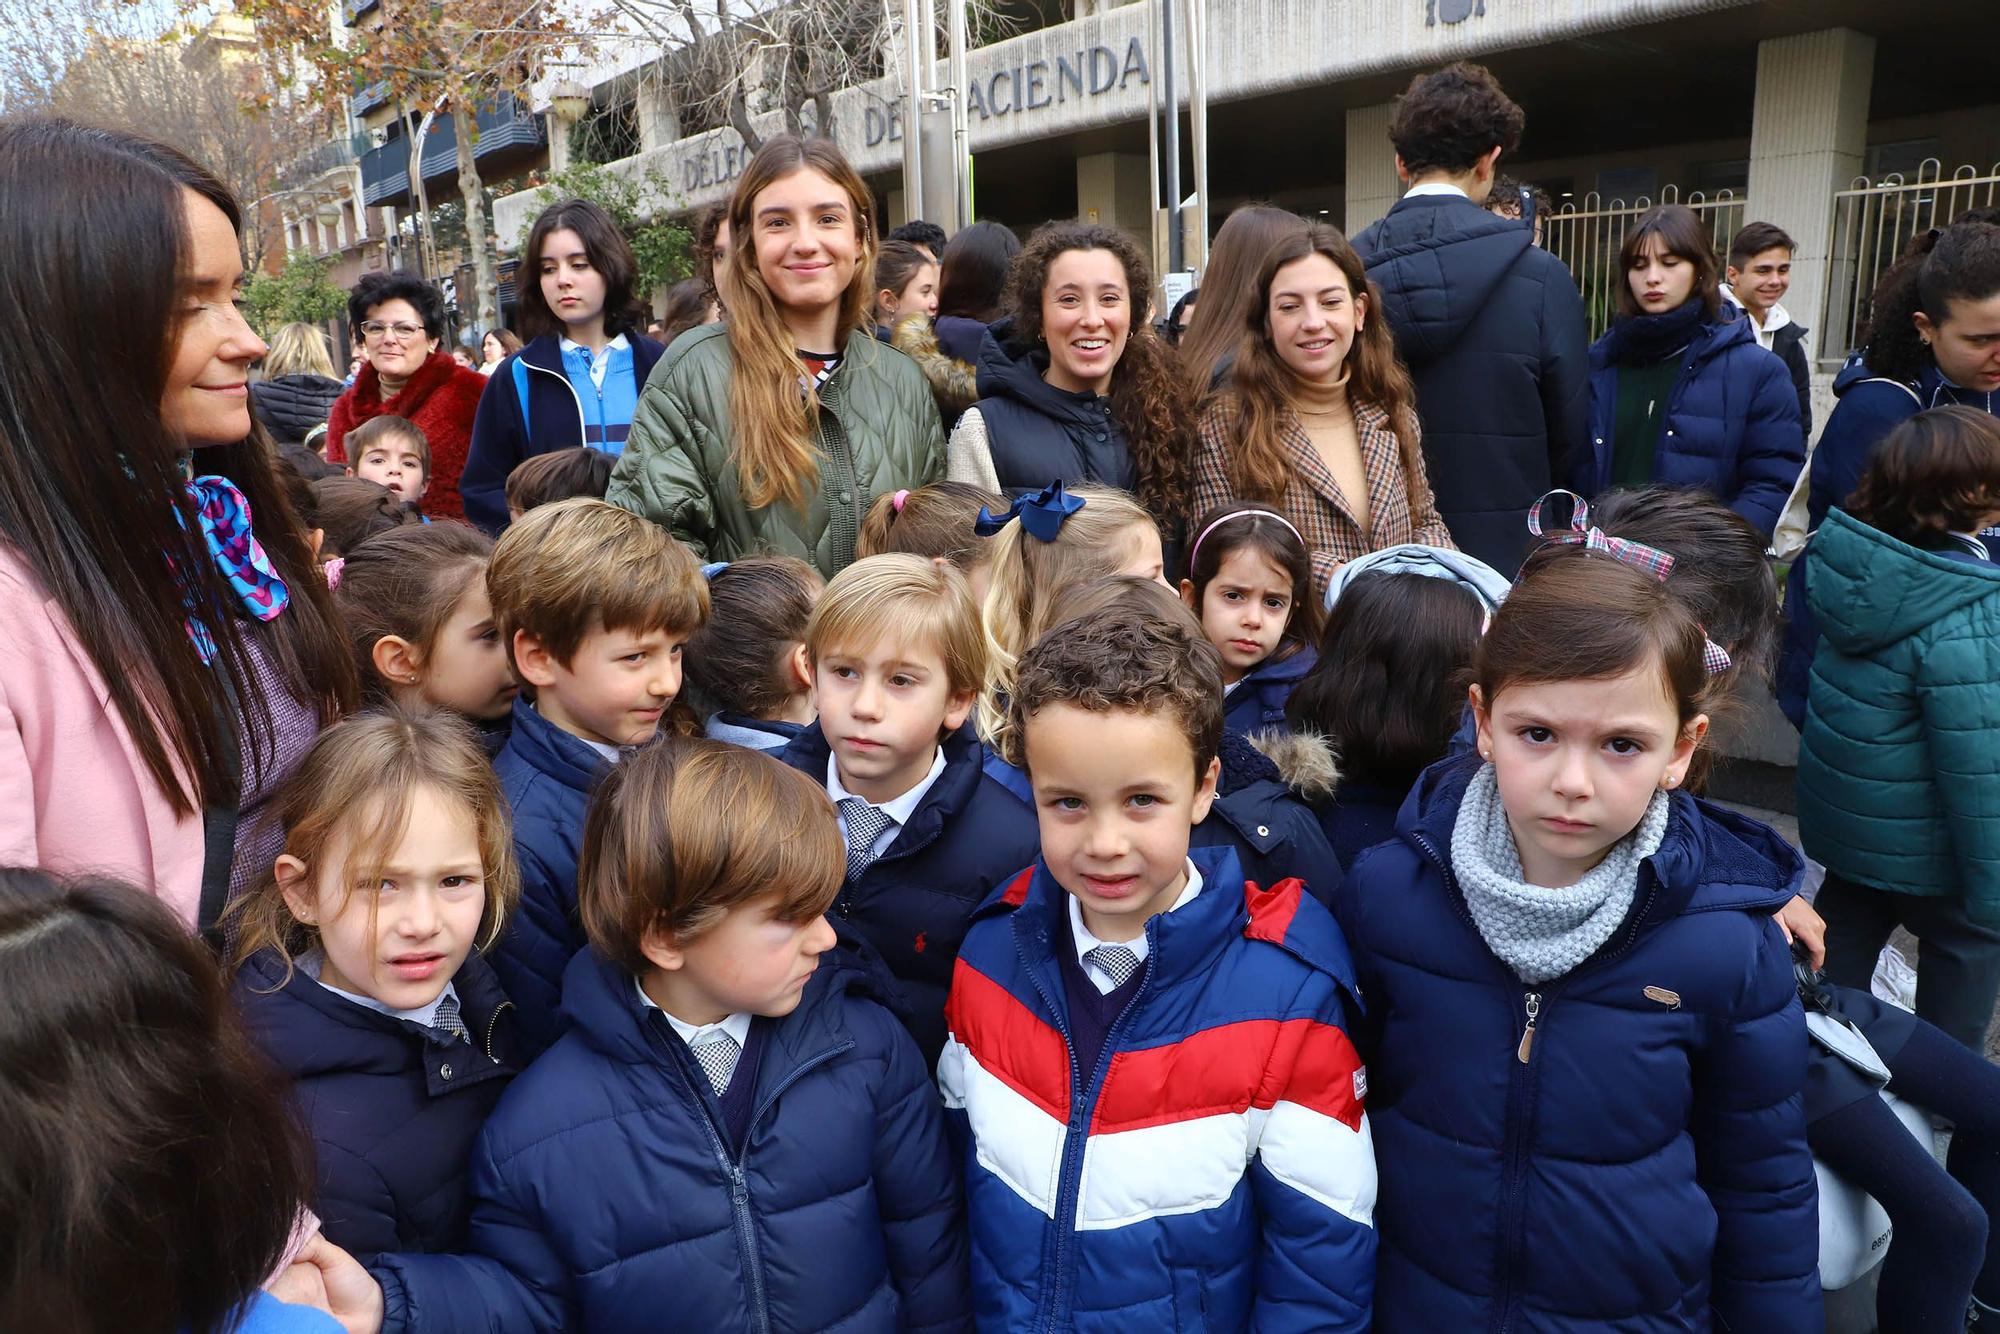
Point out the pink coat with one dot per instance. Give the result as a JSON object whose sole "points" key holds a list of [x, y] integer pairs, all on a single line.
{"points": [[75, 795]]}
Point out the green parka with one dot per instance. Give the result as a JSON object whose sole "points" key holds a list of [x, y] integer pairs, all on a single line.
{"points": [[878, 432], [1899, 763]]}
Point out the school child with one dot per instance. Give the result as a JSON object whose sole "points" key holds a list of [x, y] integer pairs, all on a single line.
{"points": [[735, 1134], [746, 666], [937, 522], [560, 474], [358, 970], [1249, 579], [593, 605], [1586, 1046], [391, 452], [349, 510], [415, 605], [1163, 1115], [897, 658]]}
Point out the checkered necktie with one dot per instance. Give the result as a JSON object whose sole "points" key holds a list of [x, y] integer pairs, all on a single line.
{"points": [[1114, 961], [717, 1055], [865, 824], [447, 1019]]}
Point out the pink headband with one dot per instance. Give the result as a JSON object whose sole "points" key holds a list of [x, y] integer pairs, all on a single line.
{"points": [[1195, 550], [898, 499]]}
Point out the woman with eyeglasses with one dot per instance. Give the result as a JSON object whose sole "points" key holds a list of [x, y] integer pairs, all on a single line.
{"points": [[400, 318]]}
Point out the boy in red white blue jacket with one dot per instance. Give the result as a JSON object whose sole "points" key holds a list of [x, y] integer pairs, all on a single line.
{"points": [[1147, 1059]]}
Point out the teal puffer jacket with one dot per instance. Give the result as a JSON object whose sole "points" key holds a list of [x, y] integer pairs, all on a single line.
{"points": [[1899, 763], [878, 432]]}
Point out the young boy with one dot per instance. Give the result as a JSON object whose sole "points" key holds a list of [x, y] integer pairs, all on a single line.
{"points": [[735, 1134], [897, 655], [1164, 1113], [1759, 274], [391, 452], [593, 603]]}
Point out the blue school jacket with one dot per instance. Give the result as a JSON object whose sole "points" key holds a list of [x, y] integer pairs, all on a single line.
{"points": [[1644, 1168], [1259, 699], [1213, 1171], [966, 838], [392, 1107], [605, 1200]]}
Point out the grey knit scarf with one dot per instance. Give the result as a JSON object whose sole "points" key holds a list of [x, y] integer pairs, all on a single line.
{"points": [[1542, 933]]}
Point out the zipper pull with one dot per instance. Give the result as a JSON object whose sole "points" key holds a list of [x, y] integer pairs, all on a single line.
{"points": [[1532, 1002]]}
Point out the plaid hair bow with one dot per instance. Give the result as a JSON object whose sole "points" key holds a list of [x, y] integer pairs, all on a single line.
{"points": [[1652, 560]]}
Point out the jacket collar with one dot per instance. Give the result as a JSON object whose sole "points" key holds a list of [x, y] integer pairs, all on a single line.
{"points": [[544, 353], [963, 765], [434, 374], [1010, 368], [548, 748]]}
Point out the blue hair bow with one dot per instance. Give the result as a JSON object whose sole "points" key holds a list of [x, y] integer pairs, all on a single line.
{"points": [[1041, 515], [713, 568]]}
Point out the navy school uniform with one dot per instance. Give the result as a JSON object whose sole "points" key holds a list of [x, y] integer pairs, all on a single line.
{"points": [[1641, 1162], [967, 837], [1258, 700], [606, 1198], [393, 1107]]}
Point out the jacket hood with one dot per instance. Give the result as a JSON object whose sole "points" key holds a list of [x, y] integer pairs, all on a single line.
{"points": [[1774, 319], [1438, 259], [1867, 590], [1475, 575], [1012, 369], [1305, 761]]}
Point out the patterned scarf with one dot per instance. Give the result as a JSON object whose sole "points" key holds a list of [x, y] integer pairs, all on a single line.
{"points": [[1542, 933], [225, 526]]}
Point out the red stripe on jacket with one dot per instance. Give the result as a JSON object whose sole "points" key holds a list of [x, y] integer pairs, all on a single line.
{"points": [[1227, 1070], [1008, 1040]]}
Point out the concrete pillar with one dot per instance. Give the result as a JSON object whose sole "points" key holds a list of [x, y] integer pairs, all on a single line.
{"points": [[1808, 133], [899, 212], [658, 126], [559, 128], [1114, 189], [1372, 186]]}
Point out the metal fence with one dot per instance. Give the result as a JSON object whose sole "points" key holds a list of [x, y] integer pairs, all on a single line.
{"points": [[1873, 222], [1588, 240]]}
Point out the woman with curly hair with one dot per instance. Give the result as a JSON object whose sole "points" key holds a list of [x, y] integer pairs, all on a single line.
{"points": [[1318, 418], [1075, 386]]}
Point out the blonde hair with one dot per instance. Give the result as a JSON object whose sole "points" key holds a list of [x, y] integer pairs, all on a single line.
{"points": [[351, 795], [689, 828], [1029, 573], [902, 599], [298, 349], [562, 571], [777, 455]]}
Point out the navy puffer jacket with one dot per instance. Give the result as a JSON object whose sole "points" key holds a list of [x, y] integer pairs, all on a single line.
{"points": [[1037, 433], [1259, 699], [967, 837], [605, 1201], [1644, 1168], [1731, 425], [393, 1108]]}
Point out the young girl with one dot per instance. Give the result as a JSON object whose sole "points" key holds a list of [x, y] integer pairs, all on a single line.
{"points": [[1044, 544], [1586, 1020], [1250, 581], [747, 662], [772, 432], [937, 522], [357, 971], [577, 381], [417, 613], [906, 283]]}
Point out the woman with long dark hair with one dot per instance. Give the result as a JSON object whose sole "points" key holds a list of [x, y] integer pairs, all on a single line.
{"points": [[577, 381], [1075, 386], [1317, 417], [162, 663], [1229, 289]]}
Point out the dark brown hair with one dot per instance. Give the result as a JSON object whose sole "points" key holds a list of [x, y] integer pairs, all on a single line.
{"points": [[933, 521], [1137, 661], [758, 609], [1120, 592], [687, 829], [1229, 288], [1581, 615], [1682, 234], [386, 427], [687, 307], [1450, 118], [406, 582], [560, 474], [896, 264], [152, 1174], [610, 254], [973, 271], [1937, 473], [1389, 687], [1150, 397], [350, 510], [707, 227], [379, 289], [1272, 537], [1753, 239], [1956, 263]]}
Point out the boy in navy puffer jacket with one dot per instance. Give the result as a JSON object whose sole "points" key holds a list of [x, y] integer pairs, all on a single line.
{"points": [[1146, 1052], [734, 1134]]}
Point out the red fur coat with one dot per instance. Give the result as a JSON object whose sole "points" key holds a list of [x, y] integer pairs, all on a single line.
{"points": [[441, 398]]}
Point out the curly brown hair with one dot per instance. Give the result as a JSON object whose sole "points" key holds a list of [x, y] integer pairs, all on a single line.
{"points": [[1938, 473], [1150, 397], [1450, 118], [1263, 384]]}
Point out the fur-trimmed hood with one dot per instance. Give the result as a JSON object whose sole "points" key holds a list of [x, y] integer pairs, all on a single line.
{"points": [[1305, 761], [954, 382]]}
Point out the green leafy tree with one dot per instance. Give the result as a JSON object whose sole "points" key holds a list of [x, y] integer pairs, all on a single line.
{"points": [[664, 249], [297, 293]]}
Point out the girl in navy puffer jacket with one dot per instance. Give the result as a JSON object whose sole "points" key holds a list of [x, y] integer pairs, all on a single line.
{"points": [[1587, 1052]]}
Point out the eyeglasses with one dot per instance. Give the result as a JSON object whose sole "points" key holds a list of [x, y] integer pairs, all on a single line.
{"points": [[375, 331]]}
